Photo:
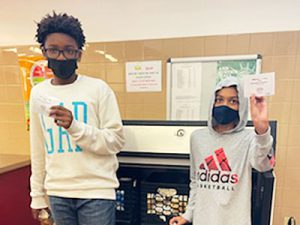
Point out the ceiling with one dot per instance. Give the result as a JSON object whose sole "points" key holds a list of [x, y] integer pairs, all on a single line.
{"points": [[111, 20]]}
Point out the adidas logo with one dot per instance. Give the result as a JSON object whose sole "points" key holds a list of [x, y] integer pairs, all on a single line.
{"points": [[216, 169]]}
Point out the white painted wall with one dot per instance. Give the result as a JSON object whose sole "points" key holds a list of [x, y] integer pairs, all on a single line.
{"points": [[112, 20]]}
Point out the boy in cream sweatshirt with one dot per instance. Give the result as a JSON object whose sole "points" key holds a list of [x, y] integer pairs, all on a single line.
{"points": [[75, 140]]}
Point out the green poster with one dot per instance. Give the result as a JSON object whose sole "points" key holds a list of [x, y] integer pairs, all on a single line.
{"points": [[235, 68]]}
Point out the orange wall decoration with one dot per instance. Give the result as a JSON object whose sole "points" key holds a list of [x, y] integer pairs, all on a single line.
{"points": [[33, 69]]}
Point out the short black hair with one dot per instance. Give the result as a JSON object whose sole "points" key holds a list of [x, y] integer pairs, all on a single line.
{"points": [[60, 23]]}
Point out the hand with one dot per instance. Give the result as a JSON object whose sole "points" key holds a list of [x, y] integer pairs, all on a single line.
{"points": [[62, 116], [178, 220], [36, 212], [259, 114]]}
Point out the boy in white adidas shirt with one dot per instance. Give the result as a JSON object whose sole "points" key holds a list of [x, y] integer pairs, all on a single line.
{"points": [[222, 158]]}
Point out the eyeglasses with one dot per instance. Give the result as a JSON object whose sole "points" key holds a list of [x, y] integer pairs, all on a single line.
{"points": [[68, 53]]}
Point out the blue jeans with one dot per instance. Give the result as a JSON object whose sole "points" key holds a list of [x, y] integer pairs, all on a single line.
{"points": [[76, 211]]}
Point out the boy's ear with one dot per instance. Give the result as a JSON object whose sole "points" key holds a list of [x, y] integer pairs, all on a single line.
{"points": [[43, 52], [79, 57]]}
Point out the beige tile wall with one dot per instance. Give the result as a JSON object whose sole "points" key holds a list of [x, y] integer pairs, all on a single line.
{"points": [[280, 51], [13, 134]]}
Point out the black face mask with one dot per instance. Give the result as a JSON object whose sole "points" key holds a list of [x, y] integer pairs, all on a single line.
{"points": [[63, 69], [225, 115]]}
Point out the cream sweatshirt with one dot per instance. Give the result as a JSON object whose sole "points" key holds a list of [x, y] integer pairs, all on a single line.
{"points": [[79, 162]]}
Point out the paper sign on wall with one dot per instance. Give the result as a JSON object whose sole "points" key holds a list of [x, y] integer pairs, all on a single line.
{"points": [[143, 76]]}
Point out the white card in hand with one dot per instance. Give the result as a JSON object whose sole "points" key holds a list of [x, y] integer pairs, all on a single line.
{"points": [[43, 103], [259, 84]]}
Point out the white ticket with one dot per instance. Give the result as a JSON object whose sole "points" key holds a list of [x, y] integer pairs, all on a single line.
{"points": [[259, 84], [43, 103]]}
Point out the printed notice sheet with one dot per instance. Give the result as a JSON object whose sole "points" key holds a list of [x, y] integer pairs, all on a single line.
{"points": [[186, 92], [143, 76]]}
